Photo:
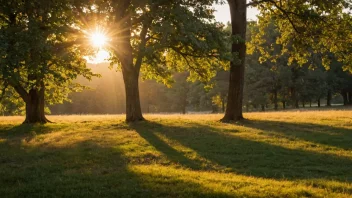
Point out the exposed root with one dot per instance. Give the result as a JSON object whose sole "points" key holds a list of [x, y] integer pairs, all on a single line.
{"points": [[232, 120], [132, 120], [37, 121]]}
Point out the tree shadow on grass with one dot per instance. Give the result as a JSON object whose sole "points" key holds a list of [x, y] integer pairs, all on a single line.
{"points": [[90, 168], [25, 130], [87, 168], [247, 157], [147, 131], [320, 134]]}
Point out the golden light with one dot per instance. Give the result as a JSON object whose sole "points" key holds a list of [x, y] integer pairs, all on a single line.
{"points": [[98, 39], [101, 56]]}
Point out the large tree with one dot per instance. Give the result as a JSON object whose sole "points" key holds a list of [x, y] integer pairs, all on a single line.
{"points": [[305, 26], [238, 10], [40, 53], [154, 37]]}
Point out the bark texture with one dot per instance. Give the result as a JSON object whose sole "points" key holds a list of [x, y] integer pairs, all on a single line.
{"points": [[233, 111], [130, 70], [328, 99], [133, 105], [35, 104]]}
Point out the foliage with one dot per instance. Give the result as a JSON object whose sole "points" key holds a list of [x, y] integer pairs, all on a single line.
{"points": [[166, 37], [41, 47], [271, 77], [219, 90], [307, 27], [11, 103]]}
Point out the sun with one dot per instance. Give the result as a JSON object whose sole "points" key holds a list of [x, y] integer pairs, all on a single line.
{"points": [[98, 39]]}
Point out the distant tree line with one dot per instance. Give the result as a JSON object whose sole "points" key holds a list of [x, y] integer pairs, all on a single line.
{"points": [[297, 53], [282, 87], [272, 77], [269, 84]]}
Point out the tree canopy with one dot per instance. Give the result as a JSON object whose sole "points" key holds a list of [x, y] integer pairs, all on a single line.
{"points": [[158, 37], [42, 53]]}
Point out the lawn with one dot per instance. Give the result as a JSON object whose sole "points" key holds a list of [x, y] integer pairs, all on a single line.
{"points": [[287, 154]]}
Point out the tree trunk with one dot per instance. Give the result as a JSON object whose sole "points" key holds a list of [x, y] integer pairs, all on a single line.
{"points": [[223, 105], [283, 104], [214, 108], [303, 104], [350, 97], [318, 102], [35, 107], [130, 62], [328, 99], [310, 103], [183, 110], [276, 106], [133, 106], [263, 107], [345, 98], [233, 111], [296, 104]]}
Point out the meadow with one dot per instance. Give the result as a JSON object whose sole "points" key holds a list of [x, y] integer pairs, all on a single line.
{"points": [[275, 154]]}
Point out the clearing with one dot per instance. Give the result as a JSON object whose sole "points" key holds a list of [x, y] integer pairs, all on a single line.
{"points": [[285, 154]]}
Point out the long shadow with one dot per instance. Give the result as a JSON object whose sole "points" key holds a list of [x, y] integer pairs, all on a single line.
{"points": [[28, 131], [249, 157], [321, 134], [88, 168], [146, 131]]}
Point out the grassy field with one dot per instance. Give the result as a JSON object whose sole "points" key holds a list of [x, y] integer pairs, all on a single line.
{"points": [[290, 154]]}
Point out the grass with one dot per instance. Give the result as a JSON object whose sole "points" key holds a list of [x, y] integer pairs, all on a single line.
{"points": [[289, 154]]}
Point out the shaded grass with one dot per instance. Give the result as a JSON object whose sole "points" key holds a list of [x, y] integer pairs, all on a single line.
{"points": [[291, 154]]}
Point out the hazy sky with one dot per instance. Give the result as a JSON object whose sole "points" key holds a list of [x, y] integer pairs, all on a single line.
{"points": [[223, 13]]}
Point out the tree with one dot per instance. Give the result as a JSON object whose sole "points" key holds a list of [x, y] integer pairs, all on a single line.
{"points": [[179, 96], [238, 9], [40, 53], [265, 75], [153, 37], [304, 26], [199, 97], [219, 90], [268, 72]]}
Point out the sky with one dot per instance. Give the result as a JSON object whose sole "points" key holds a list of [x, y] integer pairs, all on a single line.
{"points": [[223, 13]]}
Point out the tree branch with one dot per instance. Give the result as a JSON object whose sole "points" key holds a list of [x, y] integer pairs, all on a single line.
{"points": [[255, 3], [286, 13], [187, 61], [142, 45], [19, 89]]}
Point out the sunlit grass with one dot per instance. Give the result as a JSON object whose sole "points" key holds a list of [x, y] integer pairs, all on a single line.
{"points": [[286, 154]]}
